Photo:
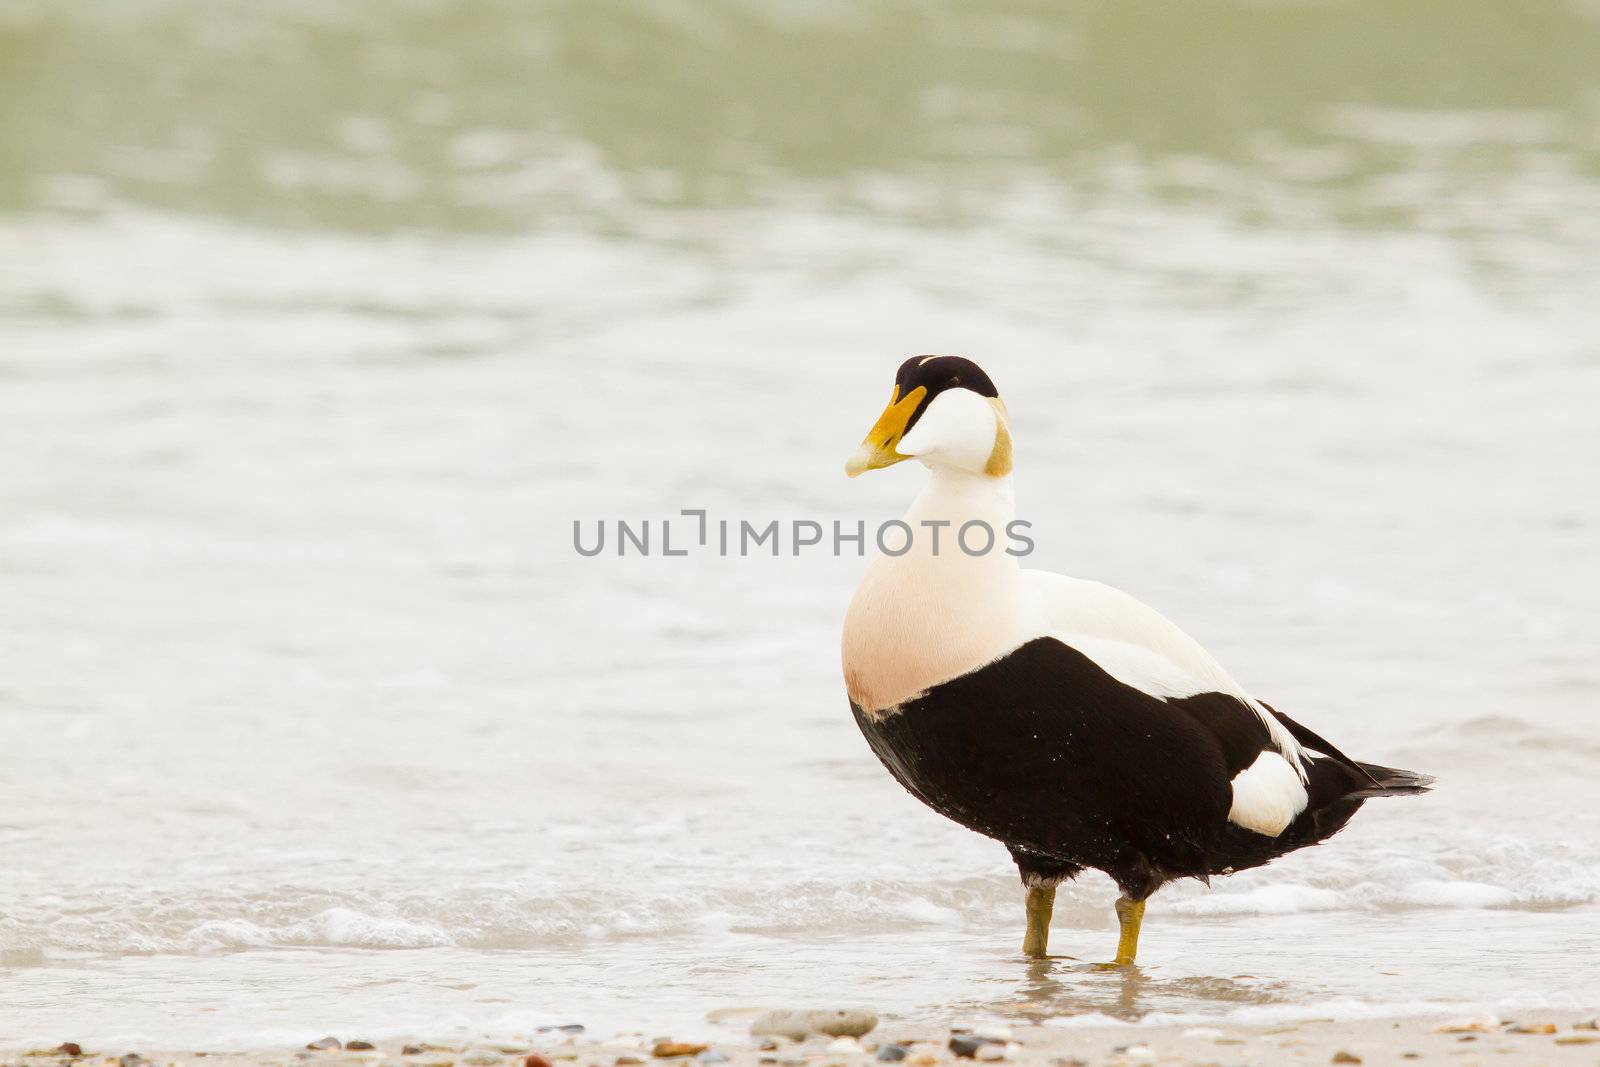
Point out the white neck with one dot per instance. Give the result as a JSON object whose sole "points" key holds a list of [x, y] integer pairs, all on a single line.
{"points": [[926, 617], [958, 496]]}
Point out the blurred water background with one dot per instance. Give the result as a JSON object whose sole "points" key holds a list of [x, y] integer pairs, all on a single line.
{"points": [[321, 322]]}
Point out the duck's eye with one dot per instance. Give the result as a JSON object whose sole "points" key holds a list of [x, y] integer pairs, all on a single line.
{"points": [[954, 382]]}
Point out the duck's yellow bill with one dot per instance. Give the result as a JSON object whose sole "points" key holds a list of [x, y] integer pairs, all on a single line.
{"points": [[878, 448]]}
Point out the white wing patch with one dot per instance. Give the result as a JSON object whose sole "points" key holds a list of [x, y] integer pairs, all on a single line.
{"points": [[1267, 795], [1145, 669]]}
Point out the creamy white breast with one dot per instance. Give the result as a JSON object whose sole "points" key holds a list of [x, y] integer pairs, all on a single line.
{"points": [[925, 617]]}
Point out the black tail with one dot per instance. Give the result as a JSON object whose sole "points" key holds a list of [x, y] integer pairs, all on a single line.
{"points": [[1371, 779], [1392, 782]]}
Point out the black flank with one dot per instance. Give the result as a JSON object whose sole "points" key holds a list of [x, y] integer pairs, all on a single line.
{"points": [[1070, 768]]}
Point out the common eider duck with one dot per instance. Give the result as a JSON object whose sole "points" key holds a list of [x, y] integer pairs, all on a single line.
{"points": [[1060, 716]]}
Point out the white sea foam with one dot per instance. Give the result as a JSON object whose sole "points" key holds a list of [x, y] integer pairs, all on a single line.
{"points": [[517, 915], [1278, 899]]}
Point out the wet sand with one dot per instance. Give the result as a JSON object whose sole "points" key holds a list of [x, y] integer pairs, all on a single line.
{"points": [[1530, 1038]]}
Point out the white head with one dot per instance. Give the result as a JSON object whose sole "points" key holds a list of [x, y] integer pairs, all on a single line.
{"points": [[944, 411]]}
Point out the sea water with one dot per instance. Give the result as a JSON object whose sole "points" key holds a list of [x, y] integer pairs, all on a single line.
{"points": [[321, 324]]}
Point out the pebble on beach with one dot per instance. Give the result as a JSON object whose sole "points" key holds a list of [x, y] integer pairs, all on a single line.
{"points": [[325, 1044], [1203, 1033], [1481, 1024], [666, 1050], [800, 1024], [359, 1046], [966, 1046], [1345, 1057]]}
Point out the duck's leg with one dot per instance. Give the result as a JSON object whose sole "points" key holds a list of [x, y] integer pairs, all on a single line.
{"points": [[1040, 904], [1130, 916], [1137, 877], [1040, 876]]}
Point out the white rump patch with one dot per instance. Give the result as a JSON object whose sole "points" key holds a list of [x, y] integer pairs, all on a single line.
{"points": [[1267, 795]]}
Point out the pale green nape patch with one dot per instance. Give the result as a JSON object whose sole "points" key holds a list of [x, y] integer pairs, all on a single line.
{"points": [[999, 462]]}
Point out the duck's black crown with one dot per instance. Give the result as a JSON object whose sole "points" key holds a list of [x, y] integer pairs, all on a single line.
{"points": [[938, 373]]}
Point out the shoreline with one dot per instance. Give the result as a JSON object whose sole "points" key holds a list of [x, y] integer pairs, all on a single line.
{"points": [[1533, 1037]]}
